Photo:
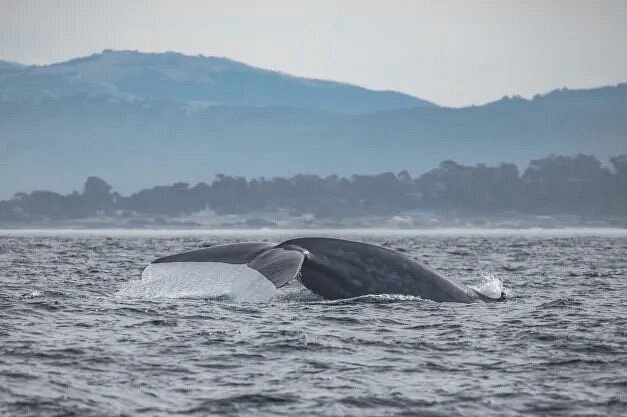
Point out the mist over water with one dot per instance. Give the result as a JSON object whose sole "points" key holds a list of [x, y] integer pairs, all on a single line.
{"points": [[87, 329]]}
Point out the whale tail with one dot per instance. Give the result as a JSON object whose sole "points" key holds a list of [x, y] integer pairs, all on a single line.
{"points": [[279, 265]]}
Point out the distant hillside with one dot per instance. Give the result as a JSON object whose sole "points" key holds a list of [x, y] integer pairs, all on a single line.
{"points": [[63, 122], [10, 66], [203, 80]]}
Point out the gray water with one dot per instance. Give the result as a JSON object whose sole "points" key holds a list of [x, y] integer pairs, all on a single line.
{"points": [[75, 341]]}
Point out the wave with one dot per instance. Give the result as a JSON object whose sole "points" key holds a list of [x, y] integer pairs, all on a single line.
{"points": [[372, 299]]}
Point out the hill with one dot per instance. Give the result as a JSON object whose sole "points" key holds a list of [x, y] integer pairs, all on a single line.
{"points": [[132, 75], [106, 115]]}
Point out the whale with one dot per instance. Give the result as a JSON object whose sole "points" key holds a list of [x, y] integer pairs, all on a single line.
{"points": [[336, 269]]}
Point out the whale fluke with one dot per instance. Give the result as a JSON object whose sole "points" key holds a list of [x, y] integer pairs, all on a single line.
{"points": [[231, 253], [279, 265]]}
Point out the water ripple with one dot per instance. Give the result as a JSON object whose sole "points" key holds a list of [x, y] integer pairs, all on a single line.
{"points": [[72, 344]]}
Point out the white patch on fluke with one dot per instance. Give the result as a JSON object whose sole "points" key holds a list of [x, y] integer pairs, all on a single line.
{"points": [[200, 280], [490, 286]]}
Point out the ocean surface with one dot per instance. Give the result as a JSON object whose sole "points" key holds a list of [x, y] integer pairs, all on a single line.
{"points": [[81, 334]]}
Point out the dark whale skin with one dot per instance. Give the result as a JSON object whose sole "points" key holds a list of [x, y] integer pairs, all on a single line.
{"points": [[336, 268]]}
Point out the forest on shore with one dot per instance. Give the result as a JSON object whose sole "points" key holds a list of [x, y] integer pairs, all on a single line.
{"points": [[578, 185]]}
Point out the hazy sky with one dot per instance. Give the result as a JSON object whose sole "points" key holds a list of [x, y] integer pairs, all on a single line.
{"points": [[452, 52]]}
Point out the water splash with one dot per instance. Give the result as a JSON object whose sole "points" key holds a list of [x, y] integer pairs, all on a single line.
{"points": [[490, 285], [35, 294], [213, 280], [374, 299]]}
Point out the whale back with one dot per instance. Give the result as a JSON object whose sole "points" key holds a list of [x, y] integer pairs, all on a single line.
{"points": [[336, 268]]}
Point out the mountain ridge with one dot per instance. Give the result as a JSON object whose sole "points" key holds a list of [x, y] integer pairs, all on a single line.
{"points": [[174, 76], [139, 142]]}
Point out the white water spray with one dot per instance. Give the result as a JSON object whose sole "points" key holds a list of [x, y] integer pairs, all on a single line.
{"points": [[491, 286]]}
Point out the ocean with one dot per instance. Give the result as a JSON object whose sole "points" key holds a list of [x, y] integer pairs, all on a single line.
{"points": [[82, 334]]}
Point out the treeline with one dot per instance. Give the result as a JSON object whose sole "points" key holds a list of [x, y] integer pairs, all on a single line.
{"points": [[578, 185]]}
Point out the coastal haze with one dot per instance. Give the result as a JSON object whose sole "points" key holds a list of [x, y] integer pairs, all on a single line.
{"points": [[143, 119], [90, 89], [452, 52], [135, 139]]}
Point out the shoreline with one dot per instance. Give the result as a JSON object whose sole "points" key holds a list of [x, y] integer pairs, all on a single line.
{"points": [[435, 232]]}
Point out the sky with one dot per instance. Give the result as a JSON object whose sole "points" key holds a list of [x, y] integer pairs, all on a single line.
{"points": [[452, 52]]}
